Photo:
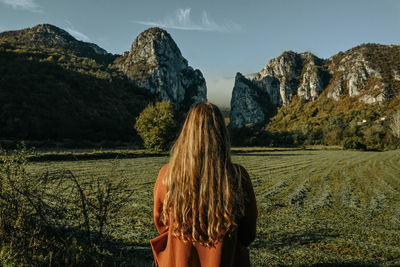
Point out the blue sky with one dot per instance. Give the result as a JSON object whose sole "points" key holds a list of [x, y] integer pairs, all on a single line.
{"points": [[218, 37]]}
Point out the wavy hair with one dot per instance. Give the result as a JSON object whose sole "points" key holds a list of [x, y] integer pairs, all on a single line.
{"points": [[204, 190]]}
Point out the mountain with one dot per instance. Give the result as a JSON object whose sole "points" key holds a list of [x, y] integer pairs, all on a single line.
{"points": [[155, 62], [47, 36], [54, 87], [298, 93], [250, 104]]}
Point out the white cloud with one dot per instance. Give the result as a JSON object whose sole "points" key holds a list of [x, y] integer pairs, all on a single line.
{"points": [[182, 21], [78, 35], [183, 16], [22, 4]]}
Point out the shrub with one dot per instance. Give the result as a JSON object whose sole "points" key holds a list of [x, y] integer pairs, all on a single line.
{"points": [[157, 126], [55, 218], [353, 143], [333, 136], [373, 136]]}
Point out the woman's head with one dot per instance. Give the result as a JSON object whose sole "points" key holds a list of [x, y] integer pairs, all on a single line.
{"points": [[204, 196], [204, 133]]}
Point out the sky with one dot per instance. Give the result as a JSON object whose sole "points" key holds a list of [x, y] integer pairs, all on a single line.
{"points": [[221, 37]]}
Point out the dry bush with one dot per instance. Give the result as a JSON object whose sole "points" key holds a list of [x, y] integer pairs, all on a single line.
{"points": [[55, 217]]}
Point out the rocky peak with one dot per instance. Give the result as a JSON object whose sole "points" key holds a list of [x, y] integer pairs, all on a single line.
{"points": [[156, 47], [50, 36], [155, 63], [284, 66], [40, 35], [47, 34], [250, 103], [292, 74], [357, 74]]}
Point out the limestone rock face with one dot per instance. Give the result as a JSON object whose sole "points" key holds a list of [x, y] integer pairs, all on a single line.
{"points": [[293, 74], [285, 69], [247, 103], [155, 63], [272, 86], [337, 89], [373, 99], [279, 81], [357, 76], [313, 78]]}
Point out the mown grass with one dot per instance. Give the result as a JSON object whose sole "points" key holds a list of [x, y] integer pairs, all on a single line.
{"points": [[315, 206]]}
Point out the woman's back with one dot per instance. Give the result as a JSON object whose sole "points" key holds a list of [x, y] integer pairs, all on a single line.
{"points": [[204, 206], [172, 251]]}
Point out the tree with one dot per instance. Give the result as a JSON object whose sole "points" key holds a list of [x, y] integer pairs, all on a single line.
{"points": [[395, 124], [157, 126]]}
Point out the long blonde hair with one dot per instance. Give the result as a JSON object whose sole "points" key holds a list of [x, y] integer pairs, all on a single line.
{"points": [[204, 193]]}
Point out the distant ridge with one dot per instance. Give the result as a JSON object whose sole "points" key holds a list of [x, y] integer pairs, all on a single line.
{"points": [[50, 36]]}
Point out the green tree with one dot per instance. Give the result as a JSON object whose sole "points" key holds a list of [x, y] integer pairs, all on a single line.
{"points": [[157, 126]]}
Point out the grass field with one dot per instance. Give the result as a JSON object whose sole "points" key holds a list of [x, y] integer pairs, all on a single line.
{"points": [[315, 206]]}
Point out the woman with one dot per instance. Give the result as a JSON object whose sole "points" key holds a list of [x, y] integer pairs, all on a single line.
{"points": [[204, 206]]}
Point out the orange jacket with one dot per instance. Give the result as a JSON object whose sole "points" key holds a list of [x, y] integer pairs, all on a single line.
{"points": [[232, 251]]}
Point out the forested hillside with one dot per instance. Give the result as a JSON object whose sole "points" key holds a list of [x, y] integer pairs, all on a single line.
{"points": [[56, 88], [49, 93]]}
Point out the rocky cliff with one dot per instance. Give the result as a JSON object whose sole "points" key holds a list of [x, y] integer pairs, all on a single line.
{"points": [[292, 74], [364, 73], [155, 62], [367, 73], [250, 103]]}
